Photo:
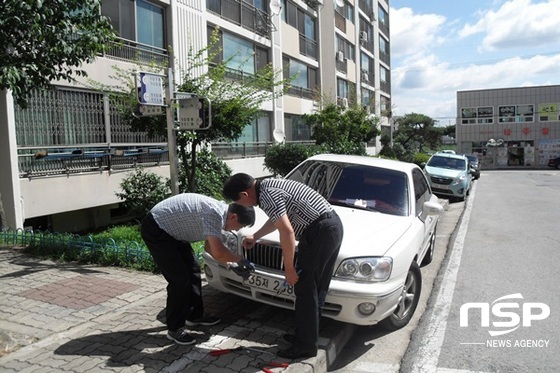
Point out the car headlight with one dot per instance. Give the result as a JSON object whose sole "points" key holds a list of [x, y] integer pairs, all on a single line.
{"points": [[460, 179], [370, 269]]}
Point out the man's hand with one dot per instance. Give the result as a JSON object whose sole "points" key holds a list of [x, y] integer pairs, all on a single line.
{"points": [[243, 268], [248, 242]]}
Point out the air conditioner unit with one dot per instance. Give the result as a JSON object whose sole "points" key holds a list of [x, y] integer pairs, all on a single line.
{"points": [[365, 77], [340, 56], [363, 36], [344, 102]]}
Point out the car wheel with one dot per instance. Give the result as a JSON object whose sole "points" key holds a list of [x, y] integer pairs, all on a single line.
{"points": [[407, 301], [430, 253]]}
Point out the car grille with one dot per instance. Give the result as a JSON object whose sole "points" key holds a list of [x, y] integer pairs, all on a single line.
{"points": [[268, 256], [441, 180]]}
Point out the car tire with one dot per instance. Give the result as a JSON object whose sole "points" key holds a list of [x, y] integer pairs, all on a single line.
{"points": [[430, 253], [407, 302]]}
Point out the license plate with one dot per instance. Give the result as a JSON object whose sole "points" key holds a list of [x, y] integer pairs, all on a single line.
{"points": [[442, 186], [270, 285]]}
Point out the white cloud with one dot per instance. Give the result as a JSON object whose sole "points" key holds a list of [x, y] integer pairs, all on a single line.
{"points": [[517, 23], [430, 62], [412, 33]]}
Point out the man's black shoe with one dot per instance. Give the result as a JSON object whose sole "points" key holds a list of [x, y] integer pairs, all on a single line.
{"points": [[292, 354], [289, 338]]}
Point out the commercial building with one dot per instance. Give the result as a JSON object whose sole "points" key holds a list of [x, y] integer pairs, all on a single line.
{"points": [[510, 127], [63, 158]]}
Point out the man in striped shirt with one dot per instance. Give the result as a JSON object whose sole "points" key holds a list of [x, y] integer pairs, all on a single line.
{"points": [[298, 213], [168, 230]]}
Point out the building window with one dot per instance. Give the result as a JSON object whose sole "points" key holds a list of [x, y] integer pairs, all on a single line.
{"points": [[345, 47], [368, 69], [368, 99], [257, 131], [383, 20], [515, 113], [347, 11], [306, 26], [304, 78], [241, 56], [139, 21], [342, 88], [384, 52], [296, 129]]}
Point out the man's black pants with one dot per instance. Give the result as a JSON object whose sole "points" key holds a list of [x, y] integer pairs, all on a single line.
{"points": [[179, 266], [317, 252]]}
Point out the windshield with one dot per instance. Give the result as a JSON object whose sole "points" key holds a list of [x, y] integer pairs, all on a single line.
{"points": [[449, 163], [357, 186]]}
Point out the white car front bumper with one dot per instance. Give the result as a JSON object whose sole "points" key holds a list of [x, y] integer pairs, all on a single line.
{"points": [[343, 299]]}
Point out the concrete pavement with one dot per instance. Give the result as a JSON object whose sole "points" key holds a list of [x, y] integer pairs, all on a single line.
{"points": [[68, 317]]}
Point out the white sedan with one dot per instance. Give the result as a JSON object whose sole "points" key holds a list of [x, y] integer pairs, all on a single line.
{"points": [[389, 215]]}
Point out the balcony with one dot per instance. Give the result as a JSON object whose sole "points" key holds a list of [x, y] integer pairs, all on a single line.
{"points": [[35, 162], [131, 51], [242, 14], [308, 47]]}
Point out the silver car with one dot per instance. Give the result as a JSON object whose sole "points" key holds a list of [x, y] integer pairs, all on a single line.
{"points": [[389, 215]]}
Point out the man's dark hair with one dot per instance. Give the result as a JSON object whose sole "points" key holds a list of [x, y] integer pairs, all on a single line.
{"points": [[236, 184], [245, 215]]}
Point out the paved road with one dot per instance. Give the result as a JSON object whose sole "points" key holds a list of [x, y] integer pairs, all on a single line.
{"points": [[505, 258]]}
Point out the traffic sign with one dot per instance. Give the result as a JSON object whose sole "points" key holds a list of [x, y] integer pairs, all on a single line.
{"points": [[151, 89], [191, 112]]}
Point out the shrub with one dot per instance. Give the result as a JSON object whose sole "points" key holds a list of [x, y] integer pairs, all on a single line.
{"points": [[281, 159], [143, 190], [210, 175]]}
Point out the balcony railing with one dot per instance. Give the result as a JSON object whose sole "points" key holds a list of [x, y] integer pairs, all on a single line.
{"points": [[128, 50], [301, 92], [235, 150], [308, 47], [36, 162], [241, 14]]}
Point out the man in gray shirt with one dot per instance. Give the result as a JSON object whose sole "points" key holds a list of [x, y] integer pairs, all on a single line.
{"points": [[168, 230]]}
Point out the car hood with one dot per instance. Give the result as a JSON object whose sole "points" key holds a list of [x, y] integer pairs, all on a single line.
{"points": [[365, 232], [445, 172]]}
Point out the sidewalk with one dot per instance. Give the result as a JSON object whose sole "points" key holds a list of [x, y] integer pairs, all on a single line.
{"points": [[66, 317]]}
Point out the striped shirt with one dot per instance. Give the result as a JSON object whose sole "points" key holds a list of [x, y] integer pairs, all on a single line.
{"points": [[302, 205], [191, 217]]}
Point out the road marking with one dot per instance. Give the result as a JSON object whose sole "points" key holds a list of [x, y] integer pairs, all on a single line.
{"points": [[427, 357]]}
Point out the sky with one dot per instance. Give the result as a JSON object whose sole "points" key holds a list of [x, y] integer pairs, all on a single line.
{"points": [[439, 47]]}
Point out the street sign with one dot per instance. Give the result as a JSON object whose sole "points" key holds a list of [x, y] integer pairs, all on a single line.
{"points": [[150, 110], [192, 112], [151, 89]]}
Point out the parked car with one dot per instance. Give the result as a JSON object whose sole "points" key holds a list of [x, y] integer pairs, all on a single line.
{"points": [[554, 162], [475, 165], [389, 215], [449, 175]]}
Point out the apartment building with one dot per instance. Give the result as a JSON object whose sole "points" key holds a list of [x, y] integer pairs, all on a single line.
{"points": [[510, 127], [63, 158]]}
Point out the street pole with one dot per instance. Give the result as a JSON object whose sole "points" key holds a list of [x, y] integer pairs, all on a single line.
{"points": [[171, 144]]}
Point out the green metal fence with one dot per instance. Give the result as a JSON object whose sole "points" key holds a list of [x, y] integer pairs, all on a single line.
{"points": [[71, 247]]}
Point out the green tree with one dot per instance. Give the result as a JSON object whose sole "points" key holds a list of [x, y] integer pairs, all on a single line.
{"points": [[342, 130], [44, 41], [48, 40], [414, 133], [142, 190], [235, 103]]}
